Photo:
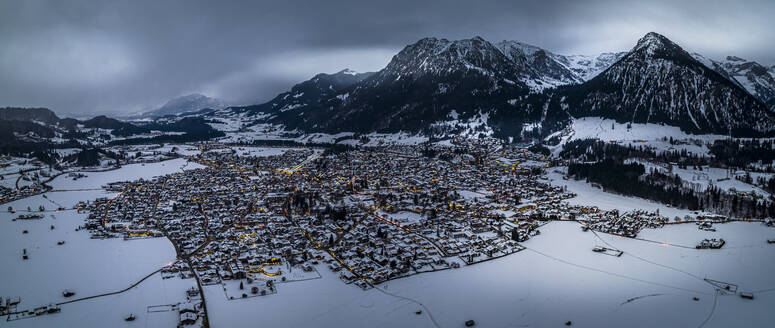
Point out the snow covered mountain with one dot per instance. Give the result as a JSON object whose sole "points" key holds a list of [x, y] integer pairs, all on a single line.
{"points": [[311, 93], [189, 103], [423, 83], [513, 89], [546, 70], [554, 69], [757, 79], [587, 67], [659, 82]]}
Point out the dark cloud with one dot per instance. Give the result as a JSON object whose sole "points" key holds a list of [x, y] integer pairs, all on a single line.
{"points": [[123, 56]]}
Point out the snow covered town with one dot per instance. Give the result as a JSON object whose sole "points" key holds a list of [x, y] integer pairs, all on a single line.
{"points": [[246, 224], [382, 164]]}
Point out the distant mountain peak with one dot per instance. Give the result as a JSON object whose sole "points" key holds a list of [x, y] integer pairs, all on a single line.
{"points": [[755, 78], [187, 103], [343, 77], [347, 71], [735, 58], [651, 85], [441, 56], [526, 49], [654, 44], [653, 38], [555, 69]]}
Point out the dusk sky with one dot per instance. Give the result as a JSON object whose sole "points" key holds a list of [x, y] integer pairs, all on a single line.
{"points": [[120, 57]]}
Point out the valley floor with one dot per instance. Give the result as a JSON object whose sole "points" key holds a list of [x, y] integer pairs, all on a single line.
{"points": [[86, 266], [556, 279]]}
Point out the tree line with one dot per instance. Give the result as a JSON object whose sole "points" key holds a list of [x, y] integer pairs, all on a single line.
{"points": [[631, 179]]}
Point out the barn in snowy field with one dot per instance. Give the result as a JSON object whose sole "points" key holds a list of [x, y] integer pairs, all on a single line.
{"points": [[188, 314]]}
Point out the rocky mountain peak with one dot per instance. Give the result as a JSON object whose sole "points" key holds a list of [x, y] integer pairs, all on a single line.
{"points": [[441, 56], [659, 82], [655, 45]]}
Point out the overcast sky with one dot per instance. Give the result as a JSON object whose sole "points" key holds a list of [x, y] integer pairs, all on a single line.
{"points": [[119, 57]]}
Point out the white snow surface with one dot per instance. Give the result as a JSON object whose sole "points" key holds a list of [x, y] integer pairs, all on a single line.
{"points": [[638, 134], [718, 177], [126, 173], [557, 279], [86, 266], [587, 195], [599, 128]]}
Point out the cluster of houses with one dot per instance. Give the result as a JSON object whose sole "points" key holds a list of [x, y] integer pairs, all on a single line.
{"points": [[26, 185], [8, 195], [626, 224], [370, 214]]}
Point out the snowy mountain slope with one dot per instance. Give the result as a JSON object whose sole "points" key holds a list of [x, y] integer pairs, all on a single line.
{"points": [[659, 82], [428, 80], [188, 103], [757, 79], [587, 67], [520, 90], [442, 57], [556, 69], [649, 135], [546, 69], [422, 84], [310, 93], [716, 66]]}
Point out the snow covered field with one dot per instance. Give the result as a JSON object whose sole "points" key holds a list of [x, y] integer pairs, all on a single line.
{"points": [[325, 302], [474, 195], [403, 217], [557, 279], [9, 180], [609, 130], [94, 180], [15, 164], [86, 266], [110, 311], [651, 135], [587, 195], [721, 178], [260, 151], [378, 139], [276, 132]]}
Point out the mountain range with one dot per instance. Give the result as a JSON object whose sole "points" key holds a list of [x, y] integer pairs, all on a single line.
{"points": [[514, 85], [757, 79], [659, 82], [509, 89]]}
